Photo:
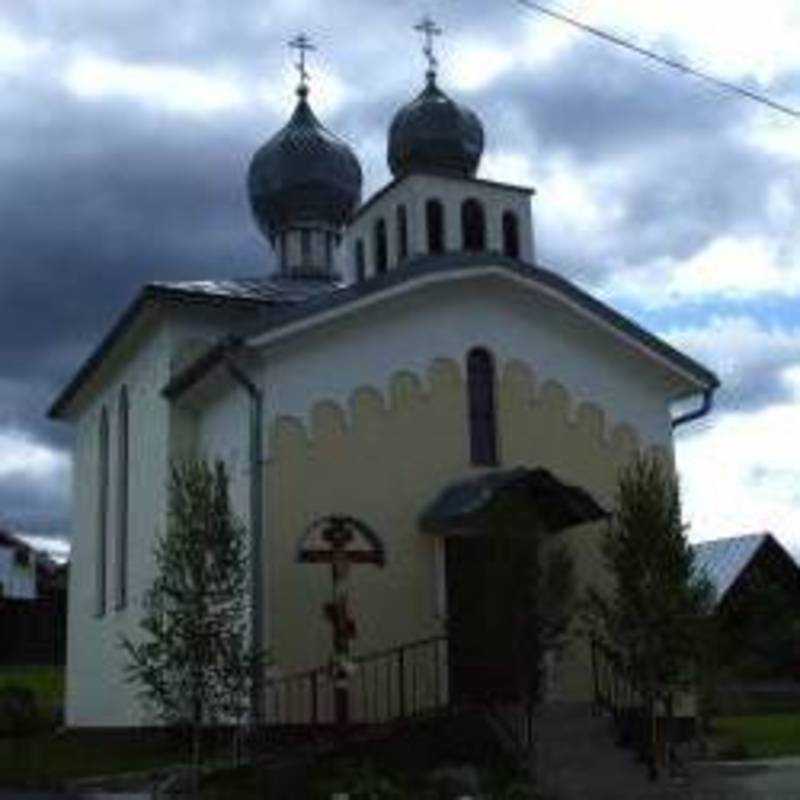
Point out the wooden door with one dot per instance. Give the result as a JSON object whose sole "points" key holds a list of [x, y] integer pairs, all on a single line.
{"points": [[480, 620]]}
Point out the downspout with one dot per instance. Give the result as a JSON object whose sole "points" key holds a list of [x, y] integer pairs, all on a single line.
{"points": [[690, 416], [256, 532]]}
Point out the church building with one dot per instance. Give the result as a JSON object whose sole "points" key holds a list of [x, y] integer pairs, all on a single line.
{"points": [[406, 360]]}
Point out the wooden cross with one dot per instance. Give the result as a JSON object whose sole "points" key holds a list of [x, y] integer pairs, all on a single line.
{"points": [[340, 541], [303, 45], [429, 29]]}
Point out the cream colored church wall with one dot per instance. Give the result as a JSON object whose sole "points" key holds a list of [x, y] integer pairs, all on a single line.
{"points": [[382, 458], [405, 335], [96, 692]]}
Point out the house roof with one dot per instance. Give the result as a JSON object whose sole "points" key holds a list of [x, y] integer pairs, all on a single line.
{"points": [[460, 508], [724, 560], [279, 302]]}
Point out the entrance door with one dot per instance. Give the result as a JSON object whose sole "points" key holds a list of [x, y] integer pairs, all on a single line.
{"points": [[480, 619]]}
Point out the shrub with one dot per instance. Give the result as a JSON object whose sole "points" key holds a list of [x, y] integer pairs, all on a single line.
{"points": [[19, 713]]}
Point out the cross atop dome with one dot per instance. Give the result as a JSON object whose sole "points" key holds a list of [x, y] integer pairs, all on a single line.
{"points": [[429, 29], [303, 45]]}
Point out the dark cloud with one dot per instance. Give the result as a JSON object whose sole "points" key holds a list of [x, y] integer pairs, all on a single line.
{"points": [[100, 196]]}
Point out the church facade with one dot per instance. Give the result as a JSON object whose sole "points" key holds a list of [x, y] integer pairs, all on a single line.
{"points": [[404, 345]]}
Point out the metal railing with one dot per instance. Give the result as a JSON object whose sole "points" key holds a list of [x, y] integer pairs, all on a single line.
{"points": [[393, 684], [617, 692]]}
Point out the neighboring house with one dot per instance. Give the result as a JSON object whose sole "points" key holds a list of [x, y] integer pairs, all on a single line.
{"points": [[756, 584], [18, 571], [32, 605], [406, 357]]}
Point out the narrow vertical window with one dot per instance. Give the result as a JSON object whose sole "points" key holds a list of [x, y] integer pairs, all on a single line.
{"points": [[482, 417], [305, 247], [102, 515], [283, 255], [328, 250], [434, 218], [402, 234], [510, 234], [381, 252], [123, 453], [361, 265], [473, 226]]}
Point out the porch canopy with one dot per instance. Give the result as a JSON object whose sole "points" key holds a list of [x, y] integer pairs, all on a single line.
{"points": [[462, 508]]}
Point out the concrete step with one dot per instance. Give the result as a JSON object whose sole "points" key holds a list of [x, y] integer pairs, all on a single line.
{"points": [[575, 758]]}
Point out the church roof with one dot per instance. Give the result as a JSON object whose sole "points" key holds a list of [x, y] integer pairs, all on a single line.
{"points": [[259, 294], [279, 303]]}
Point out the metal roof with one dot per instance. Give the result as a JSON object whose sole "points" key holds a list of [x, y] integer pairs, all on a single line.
{"points": [[277, 290], [723, 560], [460, 508]]}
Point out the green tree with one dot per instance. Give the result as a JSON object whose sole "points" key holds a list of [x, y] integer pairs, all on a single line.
{"points": [[193, 663], [655, 616]]}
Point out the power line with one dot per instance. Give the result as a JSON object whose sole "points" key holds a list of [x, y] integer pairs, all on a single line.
{"points": [[531, 5]]}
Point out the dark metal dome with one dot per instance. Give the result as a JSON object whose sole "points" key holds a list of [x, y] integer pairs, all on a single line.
{"points": [[304, 173], [435, 134]]}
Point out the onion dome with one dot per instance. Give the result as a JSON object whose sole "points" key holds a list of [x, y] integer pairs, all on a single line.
{"points": [[303, 174], [435, 134]]}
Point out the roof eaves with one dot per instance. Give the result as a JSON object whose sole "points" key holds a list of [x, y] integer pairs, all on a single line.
{"points": [[200, 367], [151, 291]]}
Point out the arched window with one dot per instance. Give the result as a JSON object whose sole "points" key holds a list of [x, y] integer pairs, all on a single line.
{"points": [[402, 234], [102, 514], [473, 226], [305, 247], [510, 234], [381, 252], [123, 453], [434, 219], [361, 264], [482, 417]]}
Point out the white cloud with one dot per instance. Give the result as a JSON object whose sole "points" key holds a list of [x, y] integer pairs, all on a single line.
{"points": [[18, 53], [733, 40], [167, 86], [21, 455], [328, 91], [728, 268], [742, 475], [735, 345]]}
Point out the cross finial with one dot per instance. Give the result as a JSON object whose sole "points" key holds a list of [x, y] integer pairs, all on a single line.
{"points": [[303, 45], [429, 29]]}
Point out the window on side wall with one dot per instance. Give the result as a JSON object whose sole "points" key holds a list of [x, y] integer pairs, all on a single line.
{"points": [[123, 500], [102, 515]]}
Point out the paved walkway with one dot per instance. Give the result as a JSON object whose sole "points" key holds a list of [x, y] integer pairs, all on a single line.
{"points": [[581, 762], [771, 779]]}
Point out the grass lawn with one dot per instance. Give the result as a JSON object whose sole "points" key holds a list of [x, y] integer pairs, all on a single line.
{"points": [[46, 682], [46, 760], [765, 736]]}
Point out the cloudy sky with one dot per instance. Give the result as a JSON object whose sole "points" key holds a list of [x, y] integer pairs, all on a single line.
{"points": [[126, 128]]}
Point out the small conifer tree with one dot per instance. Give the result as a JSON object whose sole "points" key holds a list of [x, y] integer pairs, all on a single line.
{"points": [[657, 610], [193, 663]]}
